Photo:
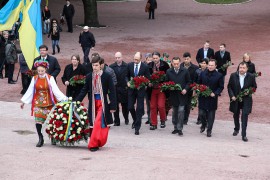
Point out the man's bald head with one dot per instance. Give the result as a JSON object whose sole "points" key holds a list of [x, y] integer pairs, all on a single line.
{"points": [[137, 57], [118, 57]]}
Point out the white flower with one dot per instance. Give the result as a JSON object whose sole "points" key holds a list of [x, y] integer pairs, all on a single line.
{"points": [[81, 116], [85, 117], [79, 129], [61, 115], [51, 132], [71, 128], [70, 98], [52, 115], [67, 105], [60, 135], [61, 128], [84, 113], [70, 137], [57, 117], [65, 108], [54, 135], [82, 122], [78, 110], [78, 102], [65, 121], [73, 135], [77, 123]]}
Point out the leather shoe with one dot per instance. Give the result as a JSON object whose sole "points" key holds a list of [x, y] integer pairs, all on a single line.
{"points": [[175, 131], [11, 82], [126, 122], [162, 125], [245, 139], [202, 129], [132, 126], [94, 149], [153, 127], [208, 134], [180, 133], [199, 122], [147, 122], [116, 124], [137, 132], [235, 133]]}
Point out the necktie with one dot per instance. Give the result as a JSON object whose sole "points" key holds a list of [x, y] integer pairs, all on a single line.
{"points": [[95, 81], [136, 70]]}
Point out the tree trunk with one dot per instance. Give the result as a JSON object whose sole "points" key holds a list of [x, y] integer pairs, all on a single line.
{"points": [[90, 13]]}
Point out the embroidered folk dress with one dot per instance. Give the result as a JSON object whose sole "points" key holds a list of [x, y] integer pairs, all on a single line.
{"points": [[42, 93]]}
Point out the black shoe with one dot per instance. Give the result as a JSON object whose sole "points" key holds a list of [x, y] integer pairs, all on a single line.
{"points": [[208, 134], [94, 149], [245, 139], [58, 49], [185, 123], [11, 82], [162, 125], [235, 133], [147, 122], [153, 127], [132, 126], [53, 53], [137, 132], [199, 122], [126, 122], [175, 131], [53, 142], [40, 141], [6, 76], [116, 124], [1, 76], [202, 129], [180, 133]]}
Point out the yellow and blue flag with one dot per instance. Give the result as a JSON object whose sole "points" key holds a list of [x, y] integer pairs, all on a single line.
{"points": [[9, 14], [31, 31]]}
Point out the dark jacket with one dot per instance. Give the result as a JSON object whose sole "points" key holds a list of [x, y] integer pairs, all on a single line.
{"points": [[200, 54], [54, 67], [251, 67], [153, 4], [56, 35], [121, 86], [214, 80], [2, 46], [68, 11], [107, 85], [11, 53], [87, 39], [73, 91], [234, 89], [197, 75], [164, 66], [88, 68], [192, 73], [182, 78], [23, 65], [46, 15], [221, 61]]}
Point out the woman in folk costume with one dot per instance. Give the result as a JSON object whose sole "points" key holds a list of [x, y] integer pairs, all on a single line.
{"points": [[102, 102], [42, 93]]}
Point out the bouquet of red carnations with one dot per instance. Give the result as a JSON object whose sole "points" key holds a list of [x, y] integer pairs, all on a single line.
{"points": [[138, 82], [201, 89], [245, 92], [157, 77], [77, 80], [226, 65], [31, 73], [170, 85], [68, 123], [257, 74]]}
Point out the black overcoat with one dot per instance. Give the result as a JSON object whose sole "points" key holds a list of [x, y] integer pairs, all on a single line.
{"points": [[222, 60], [234, 89]]}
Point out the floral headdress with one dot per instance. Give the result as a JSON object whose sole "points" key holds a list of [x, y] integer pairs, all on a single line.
{"points": [[42, 63]]}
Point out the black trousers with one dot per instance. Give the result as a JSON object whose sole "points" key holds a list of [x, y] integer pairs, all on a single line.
{"points": [[124, 112], [10, 72], [152, 13], [3, 64], [26, 80], [207, 117], [86, 51], [187, 108], [69, 24], [244, 120], [133, 97]]}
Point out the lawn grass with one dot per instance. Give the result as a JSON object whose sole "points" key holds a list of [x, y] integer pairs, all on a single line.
{"points": [[221, 1]]}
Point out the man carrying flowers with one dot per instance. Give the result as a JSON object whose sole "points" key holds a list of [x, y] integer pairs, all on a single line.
{"points": [[241, 86], [102, 102], [178, 98]]}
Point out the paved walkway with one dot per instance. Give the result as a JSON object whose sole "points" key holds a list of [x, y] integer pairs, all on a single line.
{"points": [[151, 155]]}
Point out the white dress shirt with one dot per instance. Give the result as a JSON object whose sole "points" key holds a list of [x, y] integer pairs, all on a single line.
{"points": [[139, 65], [241, 79]]}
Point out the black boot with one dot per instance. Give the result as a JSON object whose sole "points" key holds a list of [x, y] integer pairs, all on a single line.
{"points": [[40, 136], [58, 48], [53, 52]]}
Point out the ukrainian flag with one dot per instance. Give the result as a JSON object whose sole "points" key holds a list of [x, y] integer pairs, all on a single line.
{"points": [[9, 14], [31, 31]]}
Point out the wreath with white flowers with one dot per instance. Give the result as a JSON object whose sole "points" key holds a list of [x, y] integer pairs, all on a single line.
{"points": [[68, 123]]}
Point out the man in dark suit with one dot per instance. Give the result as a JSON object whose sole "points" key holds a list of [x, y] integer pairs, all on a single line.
{"points": [[102, 102], [136, 68], [239, 81], [222, 57], [153, 6], [120, 70], [208, 105], [178, 99], [68, 12], [205, 52], [54, 68], [187, 64]]}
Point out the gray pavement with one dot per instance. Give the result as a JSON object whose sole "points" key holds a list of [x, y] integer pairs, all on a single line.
{"points": [[151, 155]]}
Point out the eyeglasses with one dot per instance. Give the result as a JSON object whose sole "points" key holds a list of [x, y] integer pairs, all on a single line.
{"points": [[54, 21]]}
